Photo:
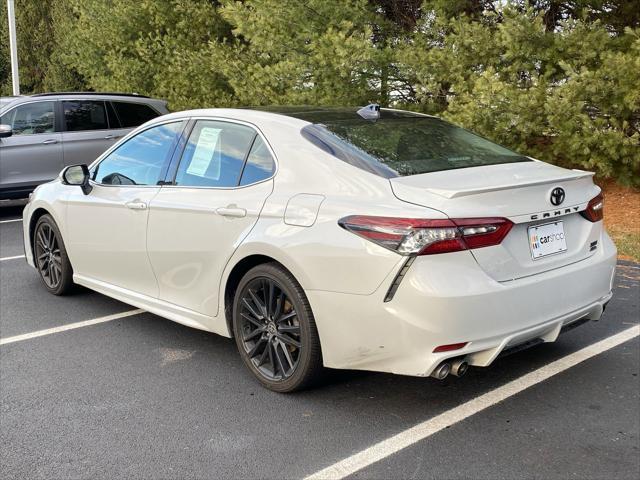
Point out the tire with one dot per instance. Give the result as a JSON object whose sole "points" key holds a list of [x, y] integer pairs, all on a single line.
{"points": [[277, 339], [50, 257]]}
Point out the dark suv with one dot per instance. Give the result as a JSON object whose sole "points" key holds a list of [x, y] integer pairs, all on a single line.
{"points": [[40, 134]]}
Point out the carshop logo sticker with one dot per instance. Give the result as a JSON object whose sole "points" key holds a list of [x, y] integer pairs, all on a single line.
{"points": [[537, 242], [547, 239]]}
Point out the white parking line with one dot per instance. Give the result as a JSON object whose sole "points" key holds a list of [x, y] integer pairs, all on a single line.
{"points": [[4, 259], [11, 221], [423, 430], [69, 326]]}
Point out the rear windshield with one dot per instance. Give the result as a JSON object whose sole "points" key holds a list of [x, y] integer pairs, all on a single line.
{"points": [[409, 145]]}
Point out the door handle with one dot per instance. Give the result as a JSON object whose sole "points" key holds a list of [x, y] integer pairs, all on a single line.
{"points": [[136, 205], [231, 212], [111, 137], [50, 141]]}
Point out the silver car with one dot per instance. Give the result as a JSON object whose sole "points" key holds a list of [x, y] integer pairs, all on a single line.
{"points": [[40, 134]]}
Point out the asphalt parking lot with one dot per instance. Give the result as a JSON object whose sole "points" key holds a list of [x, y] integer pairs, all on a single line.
{"points": [[142, 397]]}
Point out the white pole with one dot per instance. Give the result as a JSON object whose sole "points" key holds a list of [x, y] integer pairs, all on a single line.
{"points": [[13, 46]]}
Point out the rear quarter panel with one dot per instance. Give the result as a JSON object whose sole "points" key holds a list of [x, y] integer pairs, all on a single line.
{"points": [[323, 256]]}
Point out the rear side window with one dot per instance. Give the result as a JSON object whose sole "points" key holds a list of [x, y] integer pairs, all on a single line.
{"points": [[133, 114], [30, 118], [82, 115], [260, 164], [140, 160], [214, 154], [401, 146]]}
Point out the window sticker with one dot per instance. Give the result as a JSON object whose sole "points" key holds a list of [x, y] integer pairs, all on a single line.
{"points": [[204, 154]]}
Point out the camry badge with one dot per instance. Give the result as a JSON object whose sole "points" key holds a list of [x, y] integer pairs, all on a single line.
{"points": [[557, 196]]}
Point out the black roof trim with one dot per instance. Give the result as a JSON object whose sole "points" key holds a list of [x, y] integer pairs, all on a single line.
{"points": [[116, 94]]}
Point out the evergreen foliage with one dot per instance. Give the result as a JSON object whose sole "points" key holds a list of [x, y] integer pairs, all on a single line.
{"points": [[555, 79]]}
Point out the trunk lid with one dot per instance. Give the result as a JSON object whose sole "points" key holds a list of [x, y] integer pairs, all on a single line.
{"points": [[520, 192]]}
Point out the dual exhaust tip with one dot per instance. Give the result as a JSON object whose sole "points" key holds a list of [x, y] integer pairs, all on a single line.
{"points": [[457, 367]]}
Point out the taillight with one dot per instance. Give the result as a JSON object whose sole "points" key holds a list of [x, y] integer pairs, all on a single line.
{"points": [[595, 209], [413, 236]]}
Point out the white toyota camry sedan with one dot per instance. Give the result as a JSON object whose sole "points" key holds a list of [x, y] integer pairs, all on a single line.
{"points": [[369, 238]]}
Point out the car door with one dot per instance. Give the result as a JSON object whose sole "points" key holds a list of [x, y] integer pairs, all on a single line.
{"points": [[33, 154], [195, 224], [106, 230], [88, 130]]}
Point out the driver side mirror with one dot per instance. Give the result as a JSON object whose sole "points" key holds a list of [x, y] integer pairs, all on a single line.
{"points": [[77, 175], [5, 131]]}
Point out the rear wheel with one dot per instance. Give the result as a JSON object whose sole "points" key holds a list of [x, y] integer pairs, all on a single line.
{"points": [[275, 330], [50, 257]]}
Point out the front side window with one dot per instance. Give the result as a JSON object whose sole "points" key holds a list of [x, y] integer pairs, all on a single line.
{"points": [[214, 154], [30, 118], [406, 145], [133, 114], [140, 160], [82, 115]]}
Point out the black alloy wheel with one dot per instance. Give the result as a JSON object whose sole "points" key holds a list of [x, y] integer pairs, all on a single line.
{"points": [[50, 257], [275, 330]]}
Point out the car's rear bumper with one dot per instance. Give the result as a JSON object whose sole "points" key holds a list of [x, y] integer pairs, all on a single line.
{"points": [[447, 299]]}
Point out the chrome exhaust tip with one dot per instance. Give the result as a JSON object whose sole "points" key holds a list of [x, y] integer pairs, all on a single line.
{"points": [[459, 367], [441, 371]]}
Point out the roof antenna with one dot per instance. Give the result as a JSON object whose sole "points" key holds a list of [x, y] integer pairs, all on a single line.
{"points": [[370, 112]]}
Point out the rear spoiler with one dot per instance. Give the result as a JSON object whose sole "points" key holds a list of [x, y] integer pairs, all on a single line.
{"points": [[576, 174]]}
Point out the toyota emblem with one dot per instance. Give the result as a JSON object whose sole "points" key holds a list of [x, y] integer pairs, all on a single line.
{"points": [[557, 196]]}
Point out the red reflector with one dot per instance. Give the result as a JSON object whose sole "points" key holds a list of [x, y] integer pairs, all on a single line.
{"points": [[448, 348]]}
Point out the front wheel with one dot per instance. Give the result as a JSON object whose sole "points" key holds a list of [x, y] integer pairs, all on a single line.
{"points": [[275, 330], [50, 257]]}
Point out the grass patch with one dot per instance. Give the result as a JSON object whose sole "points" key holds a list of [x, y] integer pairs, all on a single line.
{"points": [[628, 244], [622, 218]]}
